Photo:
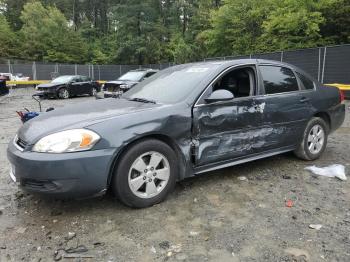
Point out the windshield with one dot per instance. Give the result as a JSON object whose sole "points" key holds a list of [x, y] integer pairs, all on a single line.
{"points": [[171, 85], [62, 79], [132, 76]]}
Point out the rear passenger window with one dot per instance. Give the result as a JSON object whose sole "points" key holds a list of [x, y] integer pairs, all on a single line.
{"points": [[307, 83], [278, 79], [149, 74]]}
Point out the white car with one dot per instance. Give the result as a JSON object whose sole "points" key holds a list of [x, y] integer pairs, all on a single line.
{"points": [[14, 77]]}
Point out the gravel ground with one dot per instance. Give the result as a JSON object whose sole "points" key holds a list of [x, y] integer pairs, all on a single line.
{"points": [[214, 217]]}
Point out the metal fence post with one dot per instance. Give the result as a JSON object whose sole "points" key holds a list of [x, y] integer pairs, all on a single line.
{"points": [[76, 69], [319, 64], [282, 54], [324, 64], [99, 72], [34, 71], [92, 71], [9, 65], [120, 70]]}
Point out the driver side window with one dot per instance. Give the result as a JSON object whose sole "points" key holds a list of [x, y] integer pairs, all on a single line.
{"points": [[240, 82]]}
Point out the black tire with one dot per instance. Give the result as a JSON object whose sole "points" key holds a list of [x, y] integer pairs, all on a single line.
{"points": [[120, 182], [93, 91], [63, 93], [303, 150]]}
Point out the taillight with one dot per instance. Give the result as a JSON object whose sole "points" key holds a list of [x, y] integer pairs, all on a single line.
{"points": [[341, 96]]}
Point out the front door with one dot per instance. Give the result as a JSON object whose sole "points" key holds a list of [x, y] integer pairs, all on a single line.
{"points": [[230, 129]]}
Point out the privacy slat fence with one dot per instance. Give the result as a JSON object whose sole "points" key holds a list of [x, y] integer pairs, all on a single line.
{"points": [[329, 64]]}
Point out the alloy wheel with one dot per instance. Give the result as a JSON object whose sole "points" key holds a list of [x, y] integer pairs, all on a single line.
{"points": [[64, 93], [316, 139], [149, 174]]}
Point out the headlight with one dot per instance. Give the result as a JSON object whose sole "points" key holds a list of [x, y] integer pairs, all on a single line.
{"points": [[67, 141], [124, 86]]}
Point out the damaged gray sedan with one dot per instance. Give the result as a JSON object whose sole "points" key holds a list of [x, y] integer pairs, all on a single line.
{"points": [[183, 121]]}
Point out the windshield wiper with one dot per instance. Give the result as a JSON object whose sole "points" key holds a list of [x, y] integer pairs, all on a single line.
{"points": [[142, 100]]}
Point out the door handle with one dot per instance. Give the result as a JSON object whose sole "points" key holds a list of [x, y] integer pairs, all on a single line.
{"points": [[304, 100]]}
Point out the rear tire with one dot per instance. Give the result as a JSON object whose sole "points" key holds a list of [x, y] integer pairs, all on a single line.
{"points": [[93, 91], [145, 174], [314, 140]]}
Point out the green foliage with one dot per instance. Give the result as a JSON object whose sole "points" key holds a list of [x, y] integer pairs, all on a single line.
{"points": [[47, 36], [8, 39], [291, 25], [156, 31]]}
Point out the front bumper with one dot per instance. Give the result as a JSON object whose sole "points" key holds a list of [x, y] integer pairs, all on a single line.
{"points": [[46, 93], [107, 94], [67, 175]]}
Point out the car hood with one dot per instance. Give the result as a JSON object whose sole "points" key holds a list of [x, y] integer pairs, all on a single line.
{"points": [[120, 82], [78, 116], [48, 85]]}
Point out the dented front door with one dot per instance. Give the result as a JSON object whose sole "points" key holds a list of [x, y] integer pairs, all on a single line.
{"points": [[228, 130]]}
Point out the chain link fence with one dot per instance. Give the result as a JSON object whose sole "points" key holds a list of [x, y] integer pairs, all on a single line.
{"points": [[329, 64]]}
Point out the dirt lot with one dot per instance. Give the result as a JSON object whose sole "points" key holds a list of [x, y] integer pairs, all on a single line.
{"points": [[214, 217]]}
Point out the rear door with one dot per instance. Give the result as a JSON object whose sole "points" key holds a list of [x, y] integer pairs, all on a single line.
{"points": [[76, 86], [287, 108], [86, 85]]}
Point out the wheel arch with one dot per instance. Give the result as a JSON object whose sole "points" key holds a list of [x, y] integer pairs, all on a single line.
{"points": [[59, 88], [325, 116], [161, 137]]}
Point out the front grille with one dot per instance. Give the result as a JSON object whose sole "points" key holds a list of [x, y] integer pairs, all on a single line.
{"points": [[43, 89], [38, 185], [21, 143], [111, 87]]}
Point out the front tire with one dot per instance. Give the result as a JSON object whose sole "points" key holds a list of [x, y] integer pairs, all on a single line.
{"points": [[314, 140], [145, 174], [63, 93]]}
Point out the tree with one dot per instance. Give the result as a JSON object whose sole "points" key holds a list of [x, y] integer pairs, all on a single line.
{"points": [[47, 36], [235, 27], [155, 31], [291, 25], [8, 40], [336, 28]]}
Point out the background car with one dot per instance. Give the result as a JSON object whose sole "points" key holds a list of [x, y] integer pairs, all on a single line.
{"points": [[126, 81], [68, 86], [14, 77]]}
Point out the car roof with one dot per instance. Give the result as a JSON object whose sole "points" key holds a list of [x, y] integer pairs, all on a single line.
{"points": [[237, 62], [221, 64], [72, 75], [144, 70]]}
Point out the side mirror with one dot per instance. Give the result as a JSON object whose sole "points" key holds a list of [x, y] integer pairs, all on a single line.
{"points": [[219, 95]]}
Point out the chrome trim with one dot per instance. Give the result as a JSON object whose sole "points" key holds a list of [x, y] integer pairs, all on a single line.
{"points": [[16, 145], [12, 175], [228, 163]]}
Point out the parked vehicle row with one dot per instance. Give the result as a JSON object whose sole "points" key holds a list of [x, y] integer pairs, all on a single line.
{"points": [[68, 86], [183, 121]]}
